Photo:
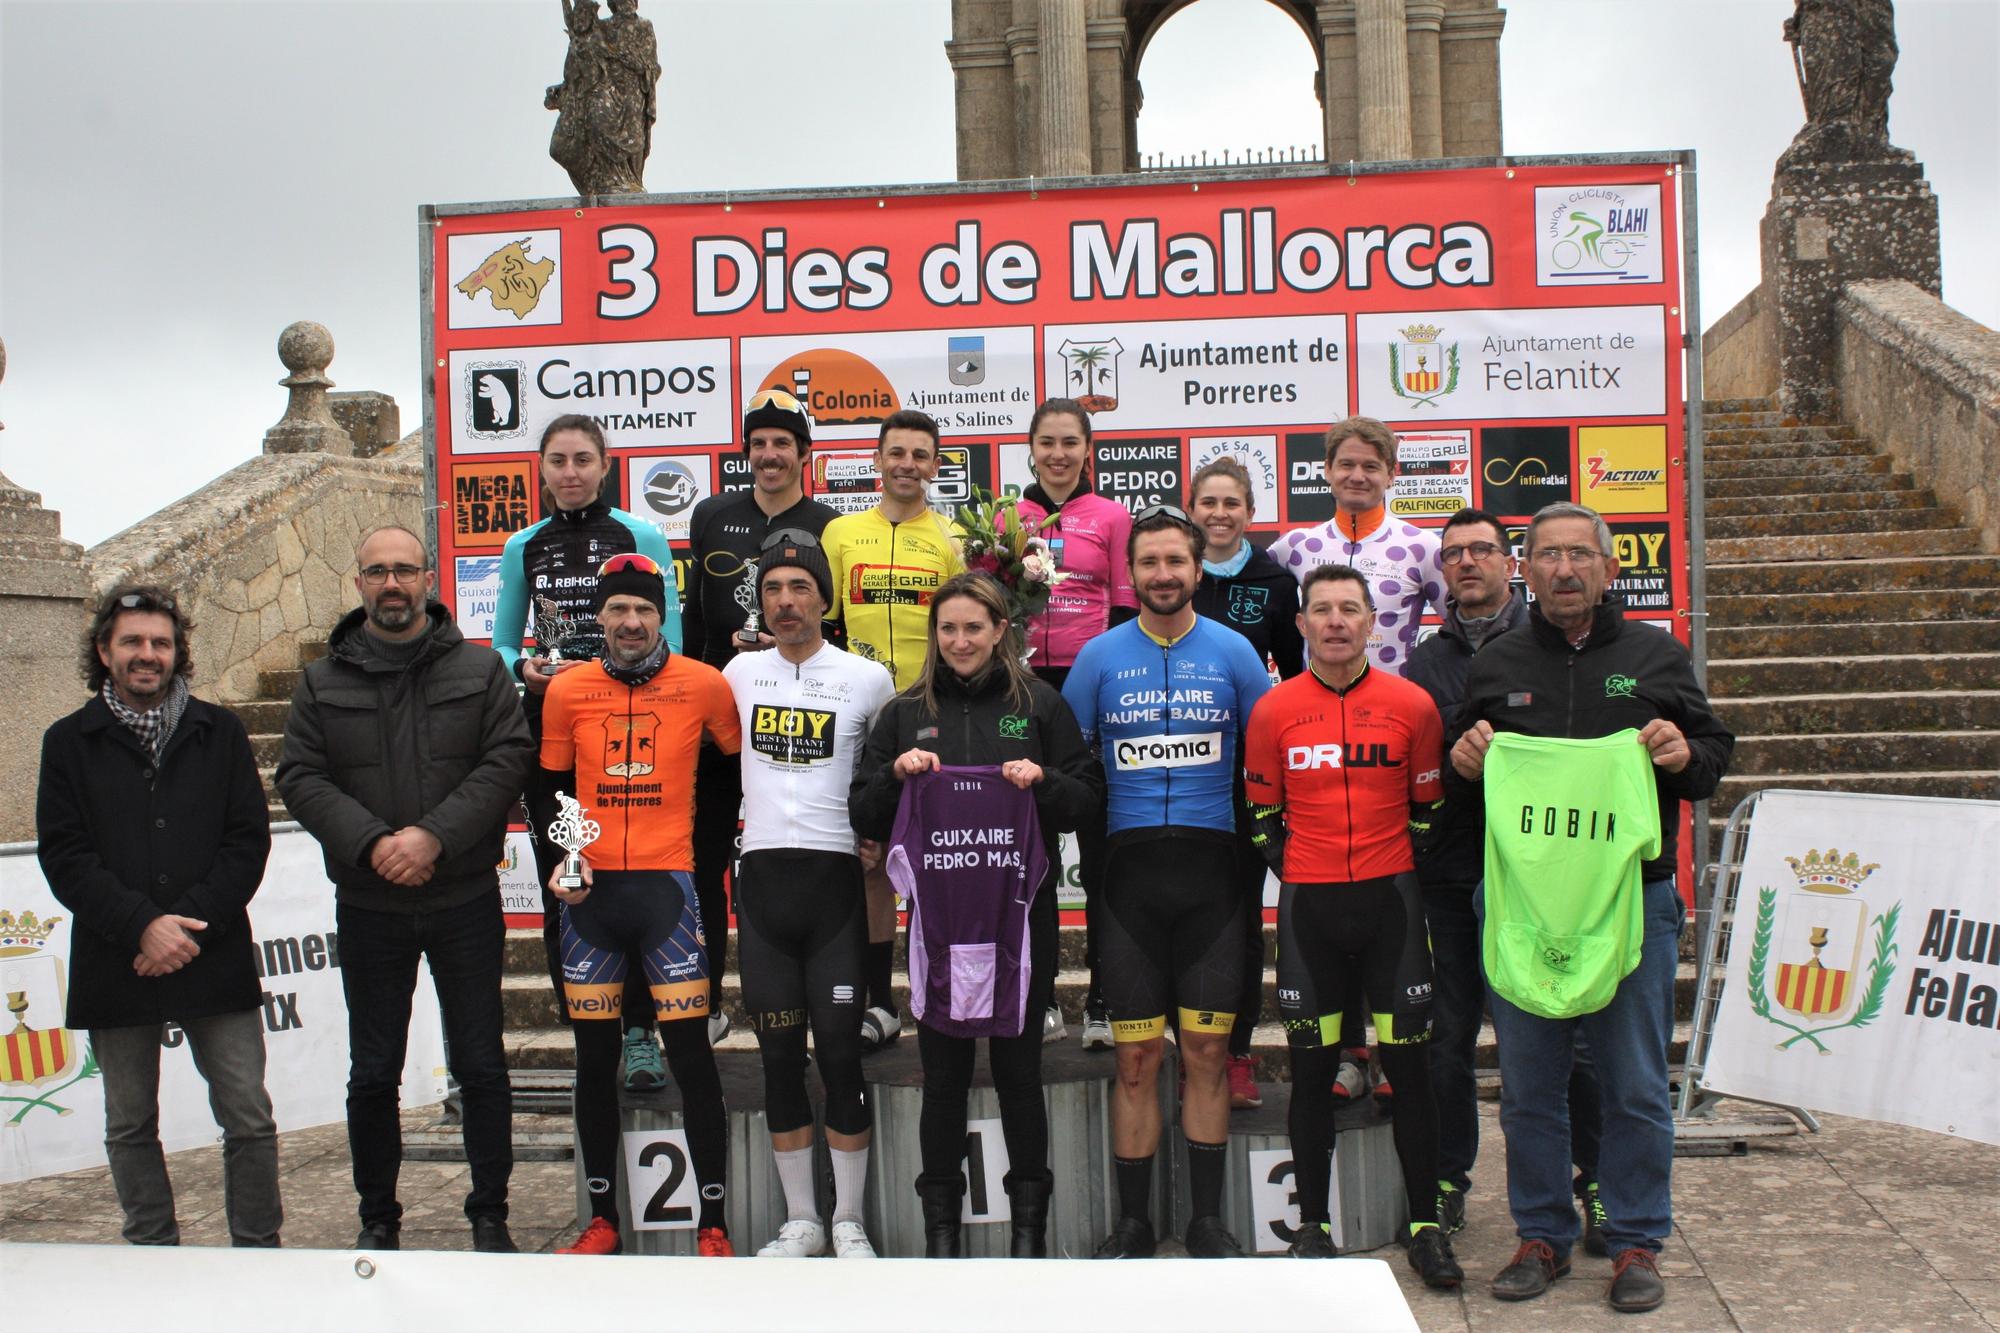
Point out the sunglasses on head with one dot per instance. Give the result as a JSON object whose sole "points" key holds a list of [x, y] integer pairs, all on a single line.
{"points": [[1173, 513], [630, 560], [145, 601], [795, 537], [777, 398]]}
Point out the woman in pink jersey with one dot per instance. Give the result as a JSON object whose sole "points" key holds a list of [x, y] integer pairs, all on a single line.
{"points": [[1087, 534]]}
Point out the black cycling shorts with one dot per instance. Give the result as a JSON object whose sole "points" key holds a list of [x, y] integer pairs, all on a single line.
{"points": [[1172, 930], [1329, 934], [801, 932], [651, 915]]}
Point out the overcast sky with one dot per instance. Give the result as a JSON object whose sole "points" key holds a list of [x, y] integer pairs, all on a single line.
{"points": [[179, 181]]}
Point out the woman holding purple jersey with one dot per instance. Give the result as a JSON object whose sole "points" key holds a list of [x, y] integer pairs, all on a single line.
{"points": [[973, 706]]}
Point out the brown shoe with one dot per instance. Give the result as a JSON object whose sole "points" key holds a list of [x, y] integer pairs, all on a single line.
{"points": [[1530, 1272], [1635, 1282]]}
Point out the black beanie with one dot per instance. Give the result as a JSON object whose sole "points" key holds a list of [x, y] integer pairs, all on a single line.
{"points": [[633, 576], [766, 410], [790, 548]]}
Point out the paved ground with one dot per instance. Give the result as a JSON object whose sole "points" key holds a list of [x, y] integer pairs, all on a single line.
{"points": [[1863, 1226]]}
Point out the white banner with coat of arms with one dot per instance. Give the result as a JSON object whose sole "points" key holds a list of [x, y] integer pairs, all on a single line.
{"points": [[1864, 962], [51, 1092]]}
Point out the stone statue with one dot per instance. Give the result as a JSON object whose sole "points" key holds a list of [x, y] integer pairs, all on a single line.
{"points": [[1844, 52], [608, 100]]}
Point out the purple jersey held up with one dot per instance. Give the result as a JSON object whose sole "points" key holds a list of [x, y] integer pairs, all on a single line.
{"points": [[967, 855]]}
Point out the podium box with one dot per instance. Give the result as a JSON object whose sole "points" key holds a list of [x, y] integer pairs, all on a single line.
{"points": [[1076, 1088], [658, 1199], [1259, 1193]]}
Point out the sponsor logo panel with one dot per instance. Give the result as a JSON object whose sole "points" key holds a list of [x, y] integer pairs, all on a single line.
{"points": [[1522, 468], [1170, 374], [1433, 474], [645, 394], [1308, 499], [1645, 566], [1499, 365], [973, 381], [1259, 456], [503, 280], [1137, 473], [665, 490], [476, 592], [490, 502], [1623, 469], [1597, 235]]}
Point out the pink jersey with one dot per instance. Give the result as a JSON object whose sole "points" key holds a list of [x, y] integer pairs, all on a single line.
{"points": [[1088, 539]]}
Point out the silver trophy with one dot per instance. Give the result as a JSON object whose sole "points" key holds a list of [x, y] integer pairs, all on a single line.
{"points": [[554, 631], [751, 635], [572, 832]]}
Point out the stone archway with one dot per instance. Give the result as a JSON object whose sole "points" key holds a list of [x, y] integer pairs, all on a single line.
{"points": [[1050, 87]]}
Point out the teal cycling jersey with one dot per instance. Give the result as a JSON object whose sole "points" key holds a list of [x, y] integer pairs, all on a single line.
{"points": [[1168, 721]]}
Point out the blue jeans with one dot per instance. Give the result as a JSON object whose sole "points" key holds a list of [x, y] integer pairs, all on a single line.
{"points": [[1459, 976], [378, 966], [228, 1051], [1628, 1040]]}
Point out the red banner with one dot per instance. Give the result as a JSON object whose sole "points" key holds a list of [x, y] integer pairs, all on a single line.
{"points": [[1520, 327]]}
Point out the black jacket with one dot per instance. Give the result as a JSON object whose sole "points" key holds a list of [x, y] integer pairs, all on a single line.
{"points": [[968, 733], [123, 841], [1531, 681], [725, 531], [1261, 603], [374, 745], [1455, 854]]}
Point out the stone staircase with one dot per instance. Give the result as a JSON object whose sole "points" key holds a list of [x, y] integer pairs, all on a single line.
{"points": [[1854, 623], [264, 718]]}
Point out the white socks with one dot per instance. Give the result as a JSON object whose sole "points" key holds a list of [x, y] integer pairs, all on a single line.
{"points": [[850, 1182], [795, 1175]]}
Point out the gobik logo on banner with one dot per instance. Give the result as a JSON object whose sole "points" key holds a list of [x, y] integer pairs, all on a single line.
{"points": [[1820, 936]]}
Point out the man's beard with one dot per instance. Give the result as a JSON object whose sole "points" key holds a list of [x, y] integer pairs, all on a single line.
{"points": [[394, 616]]}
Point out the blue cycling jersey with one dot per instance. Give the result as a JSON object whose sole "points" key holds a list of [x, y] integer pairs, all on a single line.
{"points": [[1168, 721]]}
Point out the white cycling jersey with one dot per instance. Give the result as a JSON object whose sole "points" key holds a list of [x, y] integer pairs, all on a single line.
{"points": [[803, 727]]}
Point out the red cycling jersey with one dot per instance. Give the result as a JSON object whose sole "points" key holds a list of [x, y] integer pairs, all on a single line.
{"points": [[1346, 766]]}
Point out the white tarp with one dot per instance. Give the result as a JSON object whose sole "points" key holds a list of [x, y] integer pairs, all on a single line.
{"points": [[55, 1122], [1864, 962]]}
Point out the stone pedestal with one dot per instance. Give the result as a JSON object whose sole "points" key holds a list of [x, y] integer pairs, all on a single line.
{"points": [[1827, 225], [308, 426]]}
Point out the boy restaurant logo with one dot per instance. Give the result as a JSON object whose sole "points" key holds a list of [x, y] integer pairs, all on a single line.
{"points": [[1820, 936], [36, 1050]]}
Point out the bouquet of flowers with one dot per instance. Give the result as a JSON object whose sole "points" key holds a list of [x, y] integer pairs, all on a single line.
{"points": [[994, 539]]}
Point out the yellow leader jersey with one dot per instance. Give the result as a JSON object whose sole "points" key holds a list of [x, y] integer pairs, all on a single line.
{"points": [[884, 575]]}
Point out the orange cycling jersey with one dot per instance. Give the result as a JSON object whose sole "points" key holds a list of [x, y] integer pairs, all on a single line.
{"points": [[1346, 765], [633, 749]]}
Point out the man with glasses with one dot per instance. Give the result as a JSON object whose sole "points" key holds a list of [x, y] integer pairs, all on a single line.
{"points": [[886, 563], [1578, 670], [1165, 699], [724, 537], [152, 831], [1479, 569], [405, 750]]}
